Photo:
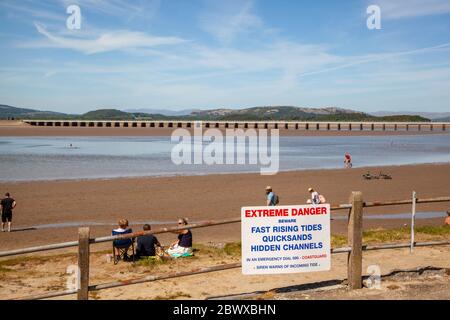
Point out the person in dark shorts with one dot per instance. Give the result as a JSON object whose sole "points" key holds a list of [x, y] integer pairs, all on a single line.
{"points": [[146, 244], [183, 246], [7, 205]]}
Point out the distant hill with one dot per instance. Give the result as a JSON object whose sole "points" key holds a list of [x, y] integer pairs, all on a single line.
{"points": [[8, 112], [164, 112], [446, 119], [275, 113], [271, 113], [403, 118], [429, 115], [107, 114], [295, 114]]}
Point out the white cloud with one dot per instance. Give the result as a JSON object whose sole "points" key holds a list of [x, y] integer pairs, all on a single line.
{"points": [[398, 9], [370, 58], [110, 41], [39, 10], [119, 8], [225, 20]]}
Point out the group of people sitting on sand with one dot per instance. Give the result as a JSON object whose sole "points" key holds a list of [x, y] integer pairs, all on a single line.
{"points": [[148, 246]]}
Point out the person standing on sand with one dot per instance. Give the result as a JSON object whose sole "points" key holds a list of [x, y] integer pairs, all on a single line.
{"points": [[272, 199], [447, 220], [348, 161], [7, 205]]}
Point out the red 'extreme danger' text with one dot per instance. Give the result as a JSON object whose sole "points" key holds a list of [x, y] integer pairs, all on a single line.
{"points": [[285, 212]]}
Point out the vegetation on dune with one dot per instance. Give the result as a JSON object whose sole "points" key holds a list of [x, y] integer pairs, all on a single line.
{"points": [[110, 114], [402, 118]]}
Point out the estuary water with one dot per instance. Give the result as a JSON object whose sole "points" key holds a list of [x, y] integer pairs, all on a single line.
{"points": [[53, 158]]}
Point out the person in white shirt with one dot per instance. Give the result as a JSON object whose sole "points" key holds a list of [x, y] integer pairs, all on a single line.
{"points": [[315, 196]]}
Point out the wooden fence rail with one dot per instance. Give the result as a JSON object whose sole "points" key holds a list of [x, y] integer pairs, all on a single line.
{"points": [[354, 248]]}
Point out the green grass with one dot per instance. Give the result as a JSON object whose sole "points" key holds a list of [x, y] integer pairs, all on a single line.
{"points": [[233, 249], [3, 269], [338, 241], [173, 296], [380, 235], [22, 260], [399, 234], [441, 230], [147, 262]]}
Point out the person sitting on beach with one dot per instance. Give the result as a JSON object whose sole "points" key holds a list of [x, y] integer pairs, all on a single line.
{"points": [[146, 244], [183, 246], [447, 220], [122, 244], [271, 199]]}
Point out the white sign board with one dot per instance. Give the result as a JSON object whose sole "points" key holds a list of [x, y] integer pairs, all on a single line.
{"points": [[286, 239]]}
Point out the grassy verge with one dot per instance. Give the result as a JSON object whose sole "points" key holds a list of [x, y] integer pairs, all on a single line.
{"points": [[23, 260], [233, 250]]}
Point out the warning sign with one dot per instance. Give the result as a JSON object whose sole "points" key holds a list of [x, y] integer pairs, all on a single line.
{"points": [[285, 239]]}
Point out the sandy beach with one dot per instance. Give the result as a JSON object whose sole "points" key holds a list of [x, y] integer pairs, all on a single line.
{"points": [[208, 197]]}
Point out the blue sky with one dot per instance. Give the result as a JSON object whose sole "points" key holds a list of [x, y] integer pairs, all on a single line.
{"points": [[179, 54]]}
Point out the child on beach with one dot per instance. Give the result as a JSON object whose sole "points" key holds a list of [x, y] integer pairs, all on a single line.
{"points": [[447, 220], [183, 246]]}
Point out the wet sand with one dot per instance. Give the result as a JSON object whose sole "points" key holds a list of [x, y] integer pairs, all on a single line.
{"points": [[209, 197]]}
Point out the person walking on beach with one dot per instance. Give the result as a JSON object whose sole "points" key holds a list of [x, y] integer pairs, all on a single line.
{"points": [[348, 161], [272, 199], [7, 205]]}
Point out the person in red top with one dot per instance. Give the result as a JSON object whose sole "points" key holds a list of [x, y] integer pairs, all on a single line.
{"points": [[348, 160]]}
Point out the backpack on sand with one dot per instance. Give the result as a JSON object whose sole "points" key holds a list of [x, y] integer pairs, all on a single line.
{"points": [[276, 199], [322, 199]]}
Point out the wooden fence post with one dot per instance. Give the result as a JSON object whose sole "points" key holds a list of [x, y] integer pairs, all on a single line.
{"points": [[354, 262], [83, 263], [413, 220]]}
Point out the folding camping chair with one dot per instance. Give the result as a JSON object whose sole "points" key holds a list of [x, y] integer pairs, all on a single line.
{"points": [[123, 246]]}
